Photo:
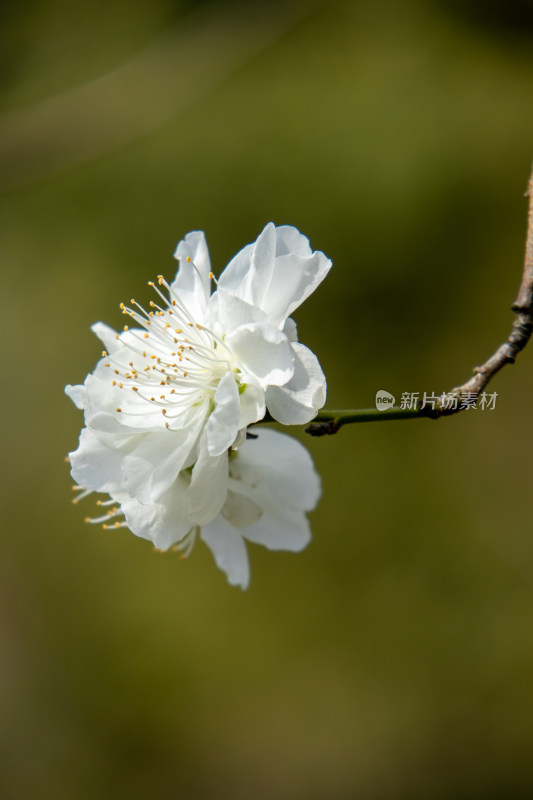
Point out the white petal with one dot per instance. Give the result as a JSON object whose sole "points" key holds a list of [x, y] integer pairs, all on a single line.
{"points": [[153, 466], [240, 277], [78, 395], [290, 531], [94, 465], [229, 551], [223, 423], [209, 483], [240, 511], [107, 336], [192, 283], [292, 280], [164, 523], [276, 472], [298, 401], [252, 404], [276, 277], [264, 351], [290, 330], [290, 240], [232, 312]]}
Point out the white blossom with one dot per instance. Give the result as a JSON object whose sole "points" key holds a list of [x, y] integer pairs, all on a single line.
{"points": [[267, 484], [171, 394]]}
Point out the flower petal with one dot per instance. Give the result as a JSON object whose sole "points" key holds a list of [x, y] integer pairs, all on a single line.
{"points": [[246, 273], [276, 472], [153, 466], [231, 312], [95, 465], [298, 401], [209, 484], [223, 423], [164, 523], [240, 511], [192, 284], [264, 351], [229, 551], [289, 531], [277, 273], [252, 404], [78, 395], [107, 336]]}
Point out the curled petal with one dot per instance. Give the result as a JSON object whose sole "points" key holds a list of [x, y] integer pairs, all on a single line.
{"points": [[299, 400], [165, 522], [264, 352], [277, 273]]}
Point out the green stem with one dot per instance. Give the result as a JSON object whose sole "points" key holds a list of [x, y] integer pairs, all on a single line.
{"points": [[346, 416], [328, 422]]}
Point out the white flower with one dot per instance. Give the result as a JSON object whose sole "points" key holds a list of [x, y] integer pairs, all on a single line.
{"points": [[169, 397], [269, 484]]}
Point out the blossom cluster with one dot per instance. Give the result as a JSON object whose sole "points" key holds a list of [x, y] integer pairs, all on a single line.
{"points": [[168, 407]]}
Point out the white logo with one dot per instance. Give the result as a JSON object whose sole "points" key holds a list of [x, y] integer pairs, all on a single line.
{"points": [[384, 400]]}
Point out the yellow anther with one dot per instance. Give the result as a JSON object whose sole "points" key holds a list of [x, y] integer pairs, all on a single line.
{"points": [[116, 372], [134, 389], [104, 353], [107, 365], [119, 410], [126, 328], [120, 386], [163, 411], [166, 424], [151, 283], [188, 259], [146, 336], [122, 306], [113, 383]]}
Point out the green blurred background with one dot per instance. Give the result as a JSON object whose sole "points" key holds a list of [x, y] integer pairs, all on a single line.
{"points": [[394, 657]]}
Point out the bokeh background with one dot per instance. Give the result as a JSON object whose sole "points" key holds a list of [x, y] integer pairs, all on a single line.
{"points": [[394, 657]]}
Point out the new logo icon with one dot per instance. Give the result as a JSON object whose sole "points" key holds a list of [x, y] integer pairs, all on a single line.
{"points": [[384, 400]]}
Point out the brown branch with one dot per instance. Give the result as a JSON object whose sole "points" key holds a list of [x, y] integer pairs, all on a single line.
{"points": [[449, 403]]}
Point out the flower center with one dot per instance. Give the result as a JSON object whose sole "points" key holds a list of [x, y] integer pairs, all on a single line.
{"points": [[175, 364]]}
